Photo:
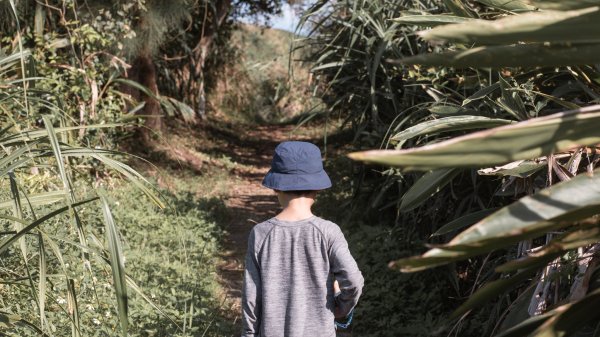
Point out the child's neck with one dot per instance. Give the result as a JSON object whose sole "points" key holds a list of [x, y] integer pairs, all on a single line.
{"points": [[296, 209]]}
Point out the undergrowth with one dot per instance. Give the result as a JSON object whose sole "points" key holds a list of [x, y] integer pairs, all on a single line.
{"points": [[256, 85], [170, 254]]}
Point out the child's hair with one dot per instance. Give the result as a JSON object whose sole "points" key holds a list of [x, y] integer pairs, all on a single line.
{"points": [[299, 193]]}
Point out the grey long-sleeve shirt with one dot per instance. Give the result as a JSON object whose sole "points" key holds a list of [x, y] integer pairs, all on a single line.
{"points": [[288, 280]]}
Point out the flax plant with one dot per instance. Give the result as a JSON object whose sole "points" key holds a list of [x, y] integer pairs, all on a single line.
{"points": [[524, 73]]}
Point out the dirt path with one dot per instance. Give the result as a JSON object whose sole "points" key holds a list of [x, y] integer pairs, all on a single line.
{"points": [[249, 203]]}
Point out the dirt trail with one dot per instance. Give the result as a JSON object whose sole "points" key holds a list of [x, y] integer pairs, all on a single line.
{"points": [[249, 202]]}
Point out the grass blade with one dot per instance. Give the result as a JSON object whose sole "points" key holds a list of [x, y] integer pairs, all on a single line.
{"points": [[117, 265]]}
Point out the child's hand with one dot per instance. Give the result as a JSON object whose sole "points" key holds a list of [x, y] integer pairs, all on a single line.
{"points": [[336, 287]]}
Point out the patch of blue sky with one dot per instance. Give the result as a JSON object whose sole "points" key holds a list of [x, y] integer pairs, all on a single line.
{"points": [[288, 19]]}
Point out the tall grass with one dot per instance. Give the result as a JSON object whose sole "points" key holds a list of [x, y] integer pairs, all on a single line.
{"points": [[42, 230]]}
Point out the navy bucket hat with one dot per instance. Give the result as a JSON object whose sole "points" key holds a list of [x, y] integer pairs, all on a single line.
{"points": [[297, 166]]}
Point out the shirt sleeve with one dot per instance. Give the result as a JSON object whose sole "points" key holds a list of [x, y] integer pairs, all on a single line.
{"points": [[251, 292], [346, 272]]}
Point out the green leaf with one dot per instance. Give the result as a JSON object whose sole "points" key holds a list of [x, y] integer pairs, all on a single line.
{"points": [[491, 290], [30, 136], [458, 7], [464, 221], [548, 26], [481, 93], [564, 4], [520, 55], [74, 308], [45, 198], [449, 110], [554, 207], [553, 249], [520, 169], [59, 159], [508, 5], [42, 281], [187, 113], [525, 140], [117, 264], [428, 185], [431, 20], [134, 286], [571, 317], [526, 327], [7, 242], [447, 124], [510, 101], [145, 90]]}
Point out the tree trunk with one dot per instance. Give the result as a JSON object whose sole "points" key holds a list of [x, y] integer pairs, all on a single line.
{"points": [[193, 72], [143, 71]]}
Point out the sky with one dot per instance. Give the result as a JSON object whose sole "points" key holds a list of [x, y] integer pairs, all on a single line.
{"points": [[287, 20]]}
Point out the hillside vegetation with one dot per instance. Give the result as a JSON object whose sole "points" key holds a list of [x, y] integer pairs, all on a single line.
{"points": [[258, 85]]}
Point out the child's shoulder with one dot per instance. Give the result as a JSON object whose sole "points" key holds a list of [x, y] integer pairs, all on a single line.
{"points": [[328, 228], [323, 225], [265, 225]]}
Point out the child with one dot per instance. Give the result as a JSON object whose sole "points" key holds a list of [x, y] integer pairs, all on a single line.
{"points": [[294, 258]]}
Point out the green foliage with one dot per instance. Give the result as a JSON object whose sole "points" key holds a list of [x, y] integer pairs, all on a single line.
{"points": [[64, 268], [428, 119], [263, 82], [525, 140], [75, 61], [170, 254]]}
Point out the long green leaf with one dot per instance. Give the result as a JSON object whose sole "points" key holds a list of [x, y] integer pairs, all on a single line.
{"points": [[45, 198], [520, 55], [553, 249], [548, 26], [428, 185], [563, 4], [491, 290], [73, 308], [7, 242], [139, 291], [431, 20], [448, 124], [555, 207], [59, 158], [521, 169], [42, 282], [481, 93], [508, 5], [526, 327], [571, 317], [117, 265], [464, 221], [458, 7], [29, 136], [525, 140]]}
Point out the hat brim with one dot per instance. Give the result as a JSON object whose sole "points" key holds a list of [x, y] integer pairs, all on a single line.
{"points": [[297, 182]]}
